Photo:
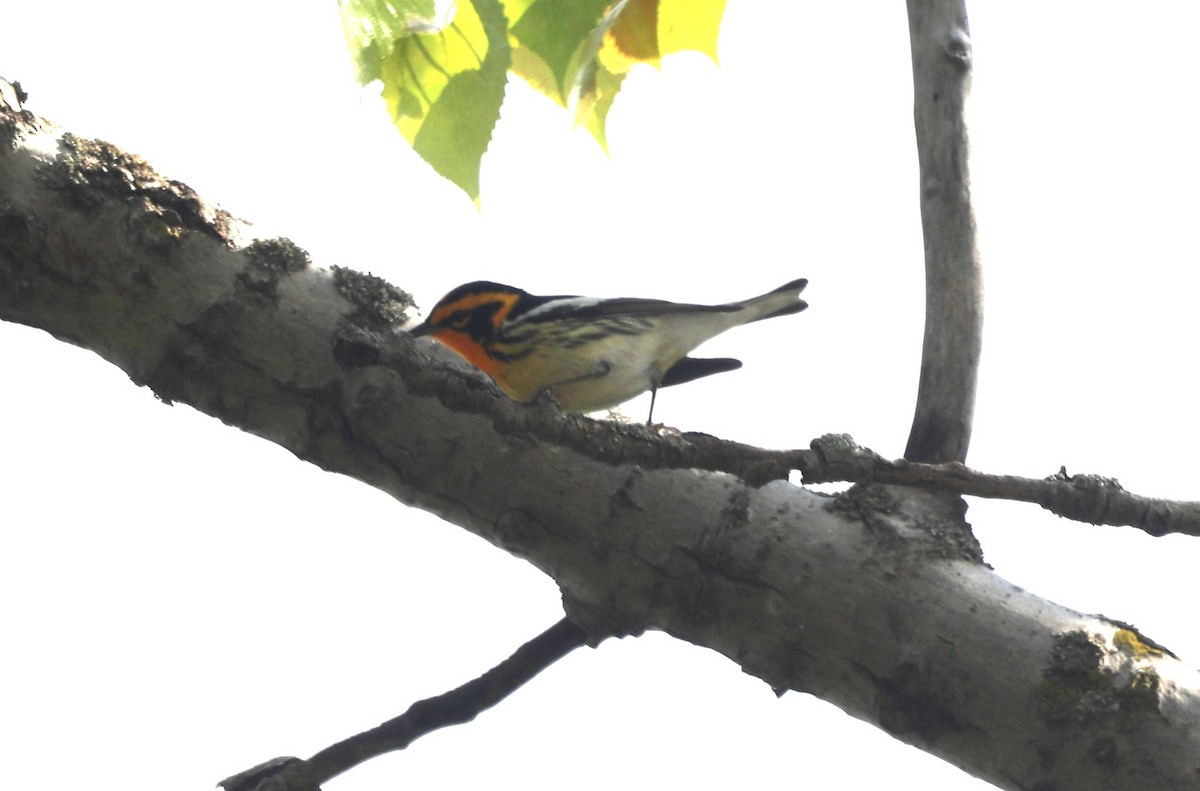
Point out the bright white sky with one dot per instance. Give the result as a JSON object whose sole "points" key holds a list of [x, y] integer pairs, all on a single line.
{"points": [[182, 600]]}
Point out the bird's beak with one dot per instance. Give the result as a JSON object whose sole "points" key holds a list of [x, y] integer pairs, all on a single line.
{"points": [[421, 330]]}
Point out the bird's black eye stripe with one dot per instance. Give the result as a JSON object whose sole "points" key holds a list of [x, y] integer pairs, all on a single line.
{"points": [[478, 321]]}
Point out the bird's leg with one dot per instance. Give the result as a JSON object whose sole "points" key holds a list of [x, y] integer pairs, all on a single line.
{"points": [[653, 396]]}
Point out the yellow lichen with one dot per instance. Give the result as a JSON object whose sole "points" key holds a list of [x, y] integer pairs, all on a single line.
{"points": [[1131, 642]]}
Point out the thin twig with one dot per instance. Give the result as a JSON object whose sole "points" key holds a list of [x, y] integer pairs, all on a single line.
{"points": [[451, 708], [1084, 498]]}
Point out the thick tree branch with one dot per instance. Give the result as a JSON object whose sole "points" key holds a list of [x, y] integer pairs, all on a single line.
{"points": [[456, 707], [941, 55], [875, 600]]}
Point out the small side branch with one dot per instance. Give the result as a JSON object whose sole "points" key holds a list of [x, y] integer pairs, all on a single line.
{"points": [[452, 708], [1084, 498]]}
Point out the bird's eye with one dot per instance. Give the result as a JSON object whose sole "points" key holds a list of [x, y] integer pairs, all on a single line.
{"points": [[459, 320]]}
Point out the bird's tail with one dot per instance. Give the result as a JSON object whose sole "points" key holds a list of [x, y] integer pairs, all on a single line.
{"points": [[783, 301]]}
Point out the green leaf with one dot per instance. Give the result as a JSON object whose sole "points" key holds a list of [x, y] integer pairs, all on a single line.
{"points": [[596, 95], [555, 31], [444, 74], [372, 27], [443, 79]]}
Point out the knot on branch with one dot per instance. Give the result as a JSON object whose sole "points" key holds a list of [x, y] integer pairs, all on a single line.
{"points": [[837, 457], [957, 48], [1086, 498]]}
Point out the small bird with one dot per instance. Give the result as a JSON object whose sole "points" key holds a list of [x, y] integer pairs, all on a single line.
{"points": [[591, 354]]}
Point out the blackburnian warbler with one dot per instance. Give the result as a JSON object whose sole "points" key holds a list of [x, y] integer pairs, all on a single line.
{"points": [[591, 354]]}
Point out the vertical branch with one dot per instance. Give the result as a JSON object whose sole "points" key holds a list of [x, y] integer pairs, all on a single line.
{"points": [[941, 56]]}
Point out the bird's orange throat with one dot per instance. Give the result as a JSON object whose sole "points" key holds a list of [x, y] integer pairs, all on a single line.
{"points": [[471, 351]]}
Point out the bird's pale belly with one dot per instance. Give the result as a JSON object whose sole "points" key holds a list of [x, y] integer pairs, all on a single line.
{"points": [[611, 374]]}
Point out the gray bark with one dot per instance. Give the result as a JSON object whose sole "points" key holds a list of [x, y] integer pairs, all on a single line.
{"points": [[875, 600], [942, 63]]}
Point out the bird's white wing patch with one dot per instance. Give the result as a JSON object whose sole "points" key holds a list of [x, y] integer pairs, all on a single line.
{"points": [[573, 303]]}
